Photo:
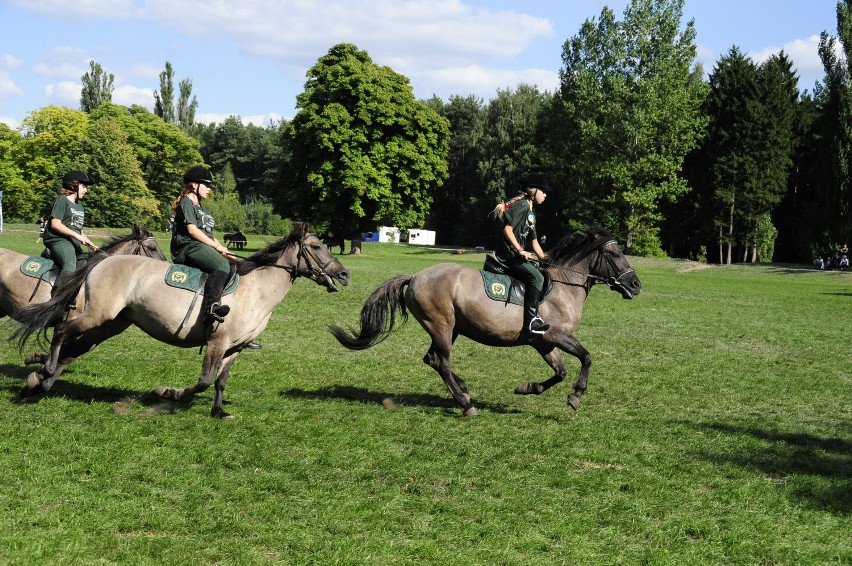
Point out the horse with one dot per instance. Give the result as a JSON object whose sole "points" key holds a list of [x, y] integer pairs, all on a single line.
{"points": [[449, 300], [18, 290], [121, 291], [238, 239]]}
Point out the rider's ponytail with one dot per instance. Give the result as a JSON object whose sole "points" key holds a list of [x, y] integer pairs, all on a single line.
{"points": [[502, 206]]}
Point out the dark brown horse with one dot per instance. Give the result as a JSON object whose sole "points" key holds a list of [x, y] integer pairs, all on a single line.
{"points": [[18, 290], [126, 290], [449, 300]]}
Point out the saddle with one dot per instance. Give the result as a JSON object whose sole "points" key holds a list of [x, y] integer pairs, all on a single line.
{"points": [[40, 268], [500, 286], [192, 279]]}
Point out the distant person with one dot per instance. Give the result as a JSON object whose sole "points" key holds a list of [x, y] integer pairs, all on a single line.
{"points": [[517, 234], [194, 244], [63, 230], [41, 224], [844, 249]]}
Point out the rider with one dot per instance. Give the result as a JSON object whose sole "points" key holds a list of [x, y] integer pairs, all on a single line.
{"points": [[517, 230], [63, 231], [194, 244]]}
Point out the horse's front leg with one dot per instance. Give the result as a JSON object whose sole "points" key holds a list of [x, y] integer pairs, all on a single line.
{"points": [[554, 360], [218, 397], [209, 370]]}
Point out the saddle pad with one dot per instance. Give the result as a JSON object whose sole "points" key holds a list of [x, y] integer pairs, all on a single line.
{"points": [[189, 278], [507, 289], [36, 266]]}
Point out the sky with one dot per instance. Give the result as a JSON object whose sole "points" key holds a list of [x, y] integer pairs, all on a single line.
{"points": [[249, 57]]}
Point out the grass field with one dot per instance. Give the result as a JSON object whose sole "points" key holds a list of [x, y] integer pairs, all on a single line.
{"points": [[717, 429]]}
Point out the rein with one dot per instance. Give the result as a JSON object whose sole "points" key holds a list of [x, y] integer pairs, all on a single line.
{"points": [[311, 272], [590, 278]]}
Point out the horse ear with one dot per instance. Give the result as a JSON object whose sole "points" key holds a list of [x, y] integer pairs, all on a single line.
{"points": [[305, 229]]}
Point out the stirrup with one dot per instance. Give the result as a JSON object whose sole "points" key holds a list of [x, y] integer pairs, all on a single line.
{"points": [[537, 326], [217, 313]]}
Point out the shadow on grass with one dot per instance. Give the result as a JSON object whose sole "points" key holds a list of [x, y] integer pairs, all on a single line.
{"points": [[388, 400], [124, 401], [822, 466]]}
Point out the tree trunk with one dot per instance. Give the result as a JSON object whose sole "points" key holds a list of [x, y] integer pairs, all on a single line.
{"points": [[731, 234], [355, 246]]}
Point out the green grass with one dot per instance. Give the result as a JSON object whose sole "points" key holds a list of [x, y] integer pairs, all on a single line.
{"points": [[716, 429]]}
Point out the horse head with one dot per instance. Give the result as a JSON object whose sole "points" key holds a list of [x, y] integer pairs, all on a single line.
{"points": [[302, 254], [597, 254]]}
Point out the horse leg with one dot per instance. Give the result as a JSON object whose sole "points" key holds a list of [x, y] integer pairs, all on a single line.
{"points": [[438, 358], [209, 370], [67, 346], [554, 360], [218, 396]]}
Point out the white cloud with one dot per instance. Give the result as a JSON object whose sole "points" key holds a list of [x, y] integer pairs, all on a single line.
{"points": [[8, 86], [803, 52], [484, 82], [63, 62], [11, 122], [64, 93], [9, 61], [127, 95], [258, 120]]}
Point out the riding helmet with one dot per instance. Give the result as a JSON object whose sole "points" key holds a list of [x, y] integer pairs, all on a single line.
{"points": [[198, 174], [74, 176], [536, 181]]}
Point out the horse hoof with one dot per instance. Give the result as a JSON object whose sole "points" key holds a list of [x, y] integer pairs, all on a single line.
{"points": [[220, 414], [523, 389], [471, 412], [34, 381], [35, 358], [169, 393], [573, 401]]}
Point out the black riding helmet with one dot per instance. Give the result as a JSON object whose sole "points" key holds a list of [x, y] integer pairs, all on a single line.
{"points": [[198, 174], [74, 177], [535, 181]]}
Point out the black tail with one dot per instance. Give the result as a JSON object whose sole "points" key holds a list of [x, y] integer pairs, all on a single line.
{"points": [[40, 317], [375, 326]]}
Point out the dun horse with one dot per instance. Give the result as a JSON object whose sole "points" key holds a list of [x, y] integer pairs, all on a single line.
{"points": [[449, 300], [18, 290], [121, 291]]}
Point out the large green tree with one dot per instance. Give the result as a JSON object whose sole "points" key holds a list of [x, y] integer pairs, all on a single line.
{"points": [[364, 150], [97, 87], [631, 103]]}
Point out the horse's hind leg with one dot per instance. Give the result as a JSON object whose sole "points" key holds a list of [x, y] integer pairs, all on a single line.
{"points": [[438, 358], [572, 346], [67, 347]]}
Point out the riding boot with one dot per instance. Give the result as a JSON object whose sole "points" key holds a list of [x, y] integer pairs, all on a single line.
{"points": [[213, 288], [533, 324]]}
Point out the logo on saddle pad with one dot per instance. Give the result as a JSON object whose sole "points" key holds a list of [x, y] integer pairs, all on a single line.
{"points": [[189, 278], [506, 289], [38, 267]]}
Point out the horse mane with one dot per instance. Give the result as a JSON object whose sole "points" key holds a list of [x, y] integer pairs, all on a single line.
{"points": [[574, 247], [138, 233], [269, 254]]}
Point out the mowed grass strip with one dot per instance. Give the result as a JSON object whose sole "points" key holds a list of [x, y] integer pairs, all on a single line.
{"points": [[716, 429]]}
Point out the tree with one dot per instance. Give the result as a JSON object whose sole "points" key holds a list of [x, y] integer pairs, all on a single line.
{"points": [[836, 104], [632, 106], [97, 87], [19, 198], [364, 151], [119, 196], [164, 103], [186, 107]]}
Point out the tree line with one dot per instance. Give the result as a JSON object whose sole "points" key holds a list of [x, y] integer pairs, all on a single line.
{"points": [[738, 166]]}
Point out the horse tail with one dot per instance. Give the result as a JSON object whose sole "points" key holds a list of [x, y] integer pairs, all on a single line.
{"points": [[378, 315], [40, 317]]}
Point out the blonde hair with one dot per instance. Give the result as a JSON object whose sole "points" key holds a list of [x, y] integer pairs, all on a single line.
{"points": [[187, 188], [502, 206]]}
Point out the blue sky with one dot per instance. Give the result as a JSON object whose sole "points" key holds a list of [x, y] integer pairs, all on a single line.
{"points": [[249, 57]]}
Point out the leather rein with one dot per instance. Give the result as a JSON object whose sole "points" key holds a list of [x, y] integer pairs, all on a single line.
{"points": [[591, 279]]}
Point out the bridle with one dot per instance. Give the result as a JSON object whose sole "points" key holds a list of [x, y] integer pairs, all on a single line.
{"points": [[312, 270], [590, 279]]}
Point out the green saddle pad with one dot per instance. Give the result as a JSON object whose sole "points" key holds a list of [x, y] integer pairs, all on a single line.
{"points": [[502, 288], [36, 266], [189, 278]]}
